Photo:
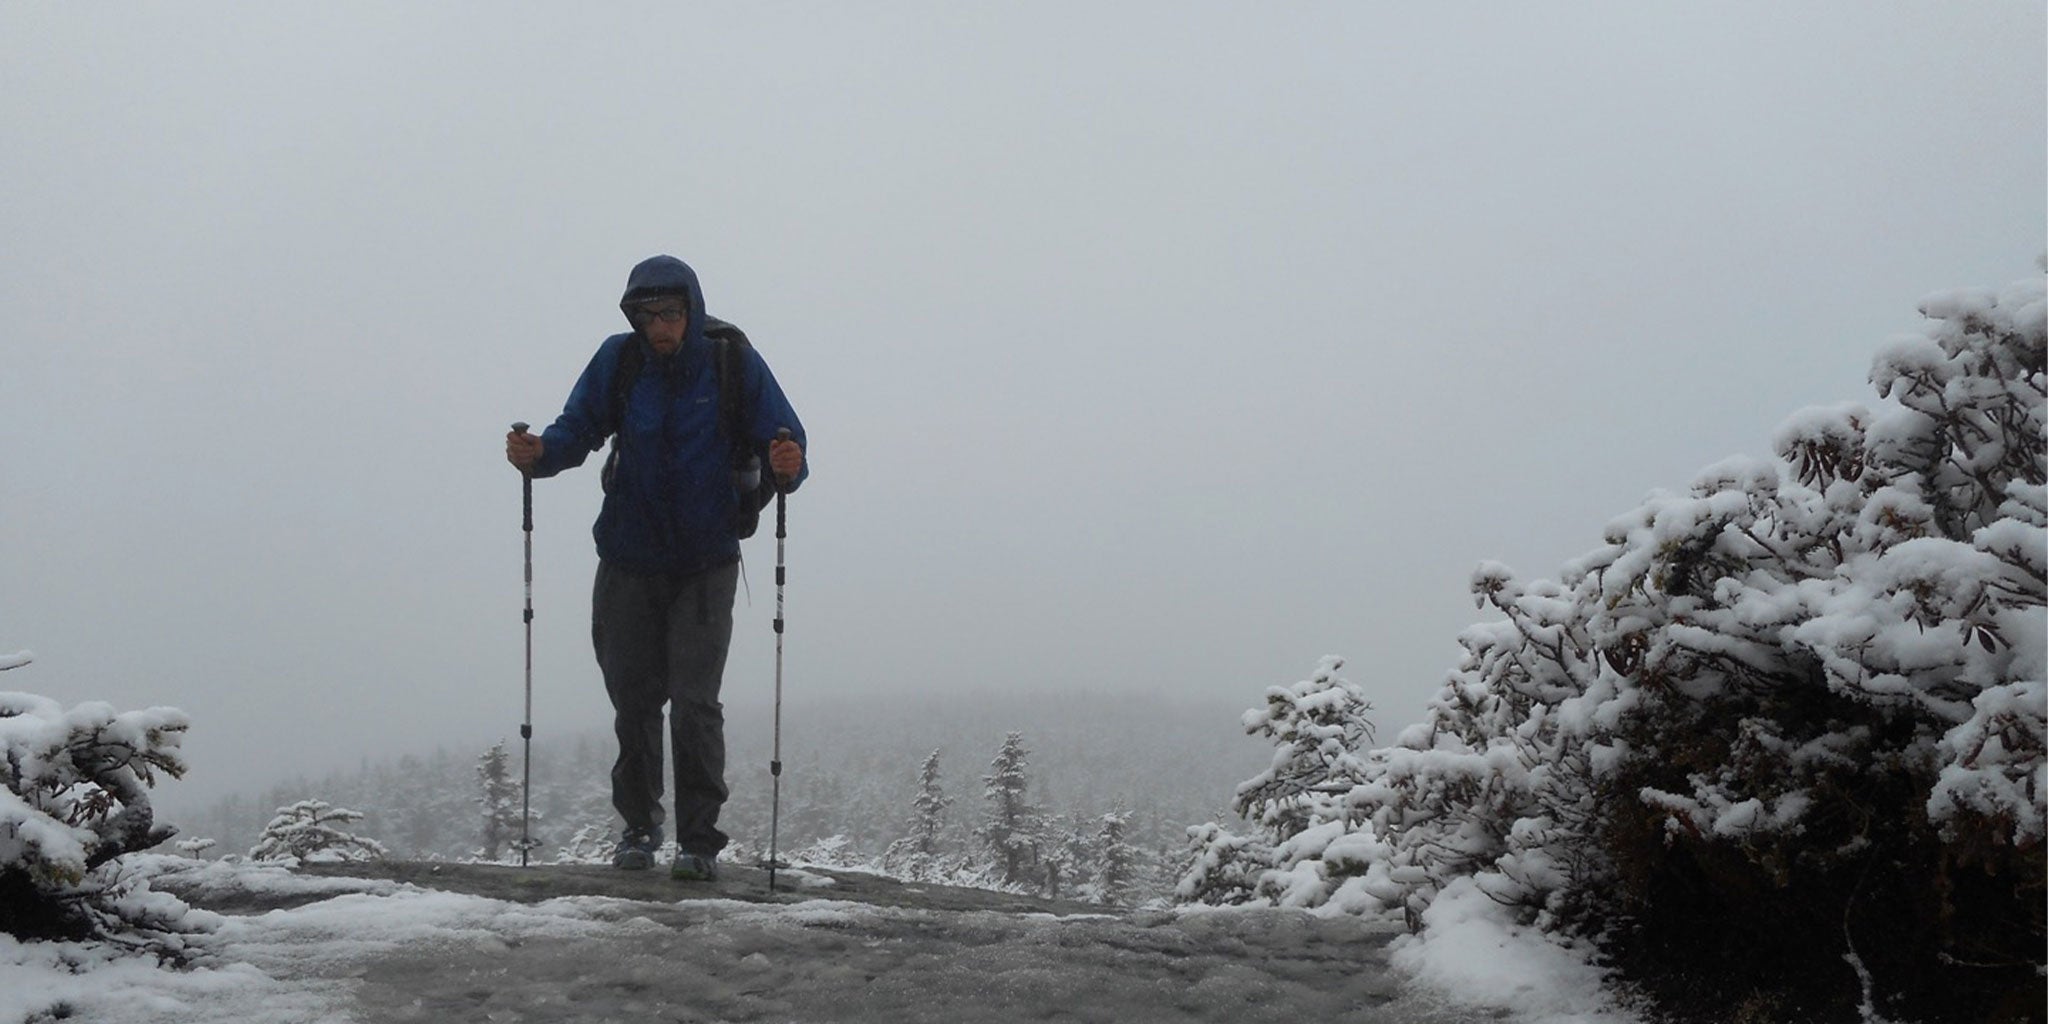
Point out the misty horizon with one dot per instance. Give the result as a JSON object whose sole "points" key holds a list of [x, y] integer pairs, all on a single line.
{"points": [[1153, 351]]}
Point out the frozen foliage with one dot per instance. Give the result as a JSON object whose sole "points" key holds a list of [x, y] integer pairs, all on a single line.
{"points": [[311, 830], [1116, 861], [500, 799], [920, 853], [1010, 828], [1808, 692], [74, 796], [1320, 730], [1311, 842]]}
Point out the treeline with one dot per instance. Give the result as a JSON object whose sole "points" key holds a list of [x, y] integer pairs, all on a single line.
{"points": [[1096, 794]]}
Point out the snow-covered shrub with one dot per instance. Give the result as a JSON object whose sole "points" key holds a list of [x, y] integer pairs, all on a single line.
{"points": [[1320, 731], [1299, 804], [829, 852], [74, 796], [1793, 716], [311, 831], [590, 843], [195, 847]]}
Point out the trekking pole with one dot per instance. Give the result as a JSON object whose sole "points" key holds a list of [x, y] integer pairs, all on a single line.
{"points": [[775, 765], [526, 724]]}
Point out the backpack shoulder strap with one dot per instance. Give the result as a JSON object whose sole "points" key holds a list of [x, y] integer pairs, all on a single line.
{"points": [[624, 376], [728, 347], [729, 357]]}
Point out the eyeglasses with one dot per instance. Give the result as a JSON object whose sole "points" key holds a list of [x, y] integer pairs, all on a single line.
{"points": [[668, 313]]}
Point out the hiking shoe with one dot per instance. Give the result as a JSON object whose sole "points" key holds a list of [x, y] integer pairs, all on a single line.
{"points": [[636, 849], [694, 867]]}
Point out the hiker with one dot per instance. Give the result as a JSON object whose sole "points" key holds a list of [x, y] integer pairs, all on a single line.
{"points": [[691, 410]]}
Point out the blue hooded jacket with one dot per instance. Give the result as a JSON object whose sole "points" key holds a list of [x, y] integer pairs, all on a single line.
{"points": [[671, 503]]}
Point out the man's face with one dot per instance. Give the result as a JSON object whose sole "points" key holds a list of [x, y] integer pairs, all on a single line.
{"points": [[662, 322]]}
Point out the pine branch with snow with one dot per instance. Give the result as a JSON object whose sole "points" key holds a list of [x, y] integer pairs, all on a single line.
{"points": [[74, 800], [1810, 691], [1299, 804]]}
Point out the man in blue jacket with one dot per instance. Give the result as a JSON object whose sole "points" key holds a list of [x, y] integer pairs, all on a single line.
{"points": [[670, 394]]}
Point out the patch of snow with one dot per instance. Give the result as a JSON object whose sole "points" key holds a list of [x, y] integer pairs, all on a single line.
{"points": [[392, 952], [1472, 949]]}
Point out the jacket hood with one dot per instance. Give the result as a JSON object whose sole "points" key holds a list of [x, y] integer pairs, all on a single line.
{"points": [[657, 276]]}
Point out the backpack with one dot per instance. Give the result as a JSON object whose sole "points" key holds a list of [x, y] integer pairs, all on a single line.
{"points": [[754, 488]]}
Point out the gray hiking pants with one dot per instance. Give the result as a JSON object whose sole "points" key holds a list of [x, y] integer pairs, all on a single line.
{"points": [[661, 640]]}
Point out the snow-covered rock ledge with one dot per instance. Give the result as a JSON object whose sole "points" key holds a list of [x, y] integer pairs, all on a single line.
{"points": [[369, 950]]}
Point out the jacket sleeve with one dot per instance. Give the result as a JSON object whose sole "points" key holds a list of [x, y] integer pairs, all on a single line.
{"points": [[584, 423], [771, 412]]}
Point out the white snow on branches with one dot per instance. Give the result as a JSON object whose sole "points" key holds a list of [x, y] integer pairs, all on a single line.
{"points": [[311, 831], [74, 783], [1871, 600]]}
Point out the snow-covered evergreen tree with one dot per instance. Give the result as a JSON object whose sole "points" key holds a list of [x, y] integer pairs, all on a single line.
{"points": [[928, 813], [1321, 733], [1117, 862], [312, 831], [1299, 804], [1010, 826], [1220, 866], [74, 796], [917, 853], [500, 799], [1065, 859], [1784, 732]]}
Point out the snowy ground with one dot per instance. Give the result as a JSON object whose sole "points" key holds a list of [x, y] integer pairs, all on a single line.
{"points": [[297, 947]]}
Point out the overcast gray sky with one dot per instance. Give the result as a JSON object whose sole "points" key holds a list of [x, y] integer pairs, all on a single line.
{"points": [[1151, 347]]}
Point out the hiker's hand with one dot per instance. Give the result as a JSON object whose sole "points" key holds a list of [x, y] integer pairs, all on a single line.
{"points": [[786, 459], [523, 450]]}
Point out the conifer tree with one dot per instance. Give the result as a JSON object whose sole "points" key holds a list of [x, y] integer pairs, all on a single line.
{"points": [[928, 814], [1116, 860], [500, 801], [915, 854], [1010, 828], [1065, 857]]}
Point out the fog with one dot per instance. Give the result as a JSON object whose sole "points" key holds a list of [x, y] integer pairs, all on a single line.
{"points": [[1156, 350]]}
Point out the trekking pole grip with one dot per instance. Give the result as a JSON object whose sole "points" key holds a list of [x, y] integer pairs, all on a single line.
{"points": [[526, 491]]}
